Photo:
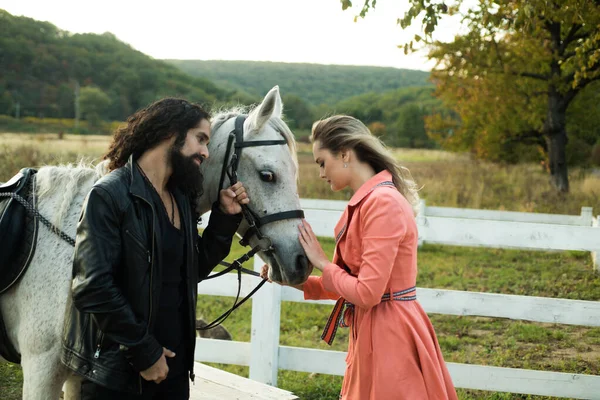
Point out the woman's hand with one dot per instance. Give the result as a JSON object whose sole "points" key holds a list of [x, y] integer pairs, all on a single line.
{"points": [[312, 248], [232, 198]]}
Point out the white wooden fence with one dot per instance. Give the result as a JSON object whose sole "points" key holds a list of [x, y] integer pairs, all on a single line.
{"points": [[449, 226]]}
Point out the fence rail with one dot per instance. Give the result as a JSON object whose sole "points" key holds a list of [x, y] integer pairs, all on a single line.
{"points": [[265, 356]]}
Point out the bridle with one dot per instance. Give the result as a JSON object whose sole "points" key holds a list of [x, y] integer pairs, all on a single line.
{"points": [[255, 222]]}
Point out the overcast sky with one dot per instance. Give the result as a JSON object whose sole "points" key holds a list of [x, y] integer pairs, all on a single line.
{"points": [[313, 31]]}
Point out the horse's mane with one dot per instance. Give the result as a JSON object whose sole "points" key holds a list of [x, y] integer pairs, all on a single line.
{"points": [[220, 116], [66, 181]]}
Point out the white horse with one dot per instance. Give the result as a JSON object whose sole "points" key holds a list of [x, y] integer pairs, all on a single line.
{"points": [[34, 308]]}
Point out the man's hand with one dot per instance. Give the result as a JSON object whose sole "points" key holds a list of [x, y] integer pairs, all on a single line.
{"points": [[159, 370], [231, 199], [264, 273]]}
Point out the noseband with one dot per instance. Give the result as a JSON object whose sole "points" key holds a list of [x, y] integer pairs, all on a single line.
{"points": [[255, 222]]}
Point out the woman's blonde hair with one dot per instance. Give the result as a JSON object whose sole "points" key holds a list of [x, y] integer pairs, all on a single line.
{"points": [[343, 132]]}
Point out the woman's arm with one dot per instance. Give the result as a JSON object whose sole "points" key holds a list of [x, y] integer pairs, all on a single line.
{"points": [[383, 228]]}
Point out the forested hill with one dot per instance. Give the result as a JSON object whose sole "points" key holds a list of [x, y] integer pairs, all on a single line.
{"points": [[313, 83], [42, 64]]}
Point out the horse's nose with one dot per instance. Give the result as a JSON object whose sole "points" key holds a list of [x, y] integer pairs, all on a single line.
{"points": [[302, 265]]}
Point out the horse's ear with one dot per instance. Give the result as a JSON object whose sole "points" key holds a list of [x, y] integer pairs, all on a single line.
{"points": [[271, 106]]}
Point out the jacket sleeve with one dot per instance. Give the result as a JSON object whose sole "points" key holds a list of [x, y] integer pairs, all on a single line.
{"points": [[383, 224], [97, 254], [215, 243], [314, 290]]}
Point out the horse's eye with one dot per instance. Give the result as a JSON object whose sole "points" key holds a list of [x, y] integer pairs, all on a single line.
{"points": [[267, 176]]}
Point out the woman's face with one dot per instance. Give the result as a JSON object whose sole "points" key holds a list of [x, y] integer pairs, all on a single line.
{"points": [[331, 167]]}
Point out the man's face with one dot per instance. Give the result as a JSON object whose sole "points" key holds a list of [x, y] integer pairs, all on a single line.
{"points": [[186, 159], [196, 142]]}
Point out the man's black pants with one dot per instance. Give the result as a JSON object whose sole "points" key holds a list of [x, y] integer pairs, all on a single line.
{"points": [[172, 388]]}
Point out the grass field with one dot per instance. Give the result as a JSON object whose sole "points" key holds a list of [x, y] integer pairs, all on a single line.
{"points": [[447, 180]]}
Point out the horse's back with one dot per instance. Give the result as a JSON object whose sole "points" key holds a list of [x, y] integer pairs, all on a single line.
{"points": [[34, 308]]}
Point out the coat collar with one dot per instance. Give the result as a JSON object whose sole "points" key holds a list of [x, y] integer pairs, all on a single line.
{"points": [[383, 178], [137, 185]]}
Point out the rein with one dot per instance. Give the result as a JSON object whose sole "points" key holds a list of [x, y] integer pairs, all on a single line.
{"points": [[255, 222], [33, 211]]}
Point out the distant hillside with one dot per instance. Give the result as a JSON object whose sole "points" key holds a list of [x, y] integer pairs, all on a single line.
{"points": [[41, 65], [313, 83], [397, 116]]}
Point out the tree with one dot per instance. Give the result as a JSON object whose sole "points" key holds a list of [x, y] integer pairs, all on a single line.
{"points": [[40, 63], [298, 113], [515, 73], [94, 105], [410, 127]]}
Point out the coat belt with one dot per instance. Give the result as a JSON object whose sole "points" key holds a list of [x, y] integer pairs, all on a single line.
{"points": [[343, 312]]}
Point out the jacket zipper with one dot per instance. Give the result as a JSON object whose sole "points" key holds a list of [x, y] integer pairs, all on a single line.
{"points": [[131, 235], [99, 344], [150, 254], [192, 238]]}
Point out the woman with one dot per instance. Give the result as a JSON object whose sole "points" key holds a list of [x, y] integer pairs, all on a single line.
{"points": [[393, 351]]}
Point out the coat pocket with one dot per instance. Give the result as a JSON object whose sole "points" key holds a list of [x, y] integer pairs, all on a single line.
{"points": [[138, 245]]}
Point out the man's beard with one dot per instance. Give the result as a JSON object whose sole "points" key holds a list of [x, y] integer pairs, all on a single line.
{"points": [[186, 173]]}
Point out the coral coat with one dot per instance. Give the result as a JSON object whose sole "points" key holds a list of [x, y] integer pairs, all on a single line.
{"points": [[393, 351]]}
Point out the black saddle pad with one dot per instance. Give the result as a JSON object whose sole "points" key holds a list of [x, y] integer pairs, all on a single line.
{"points": [[18, 235], [18, 228]]}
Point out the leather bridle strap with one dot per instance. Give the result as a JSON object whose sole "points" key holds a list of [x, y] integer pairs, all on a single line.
{"points": [[254, 221]]}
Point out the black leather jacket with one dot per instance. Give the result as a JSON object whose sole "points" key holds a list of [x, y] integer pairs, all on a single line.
{"points": [[116, 285]]}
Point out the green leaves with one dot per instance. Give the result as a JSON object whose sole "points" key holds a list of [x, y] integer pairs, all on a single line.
{"points": [[500, 75], [346, 4]]}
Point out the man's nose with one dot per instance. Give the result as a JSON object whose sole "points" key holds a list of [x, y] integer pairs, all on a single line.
{"points": [[204, 152]]}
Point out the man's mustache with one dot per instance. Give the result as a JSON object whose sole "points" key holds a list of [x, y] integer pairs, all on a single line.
{"points": [[199, 157]]}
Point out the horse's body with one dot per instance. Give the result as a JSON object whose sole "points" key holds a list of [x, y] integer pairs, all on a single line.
{"points": [[34, 308]]}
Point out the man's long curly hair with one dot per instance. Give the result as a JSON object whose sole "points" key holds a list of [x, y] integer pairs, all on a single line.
{"points": [[148, 127]]}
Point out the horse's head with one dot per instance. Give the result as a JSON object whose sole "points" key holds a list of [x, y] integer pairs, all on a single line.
{"points": [[268, 167]]}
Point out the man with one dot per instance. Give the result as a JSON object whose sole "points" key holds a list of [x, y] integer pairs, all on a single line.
{"points": [[138, 257]]}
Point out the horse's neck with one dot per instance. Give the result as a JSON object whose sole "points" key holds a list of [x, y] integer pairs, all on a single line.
{"points": [[213, 167], [61, 188]]}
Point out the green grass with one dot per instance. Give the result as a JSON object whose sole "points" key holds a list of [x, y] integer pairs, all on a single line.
{"points": [[472, 340], [11, 380], [448, 180]]}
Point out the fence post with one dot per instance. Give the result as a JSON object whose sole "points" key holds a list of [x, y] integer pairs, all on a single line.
{"points": [[587, 219], [596, 224], [421, 221], [264, 340]]}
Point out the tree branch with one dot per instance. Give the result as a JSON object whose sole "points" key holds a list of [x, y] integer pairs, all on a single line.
{"points": [[573, 54], [532, 75], [498, 52], [570, 95], [532, 137], [570, 37]]}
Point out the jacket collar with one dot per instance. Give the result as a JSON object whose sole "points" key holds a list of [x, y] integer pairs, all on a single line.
{"points": [[383, 178], [137, 187]]}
